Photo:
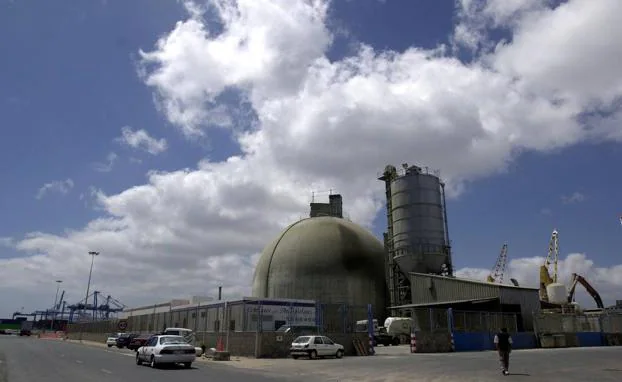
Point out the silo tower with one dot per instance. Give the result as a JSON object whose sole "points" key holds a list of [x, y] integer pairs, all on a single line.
{"points": [[417, 238]]}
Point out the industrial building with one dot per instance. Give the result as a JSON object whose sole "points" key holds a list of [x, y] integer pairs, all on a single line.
{"points": [[242, 315], [433, 291], [326, 259], [419, 259], [417, 238], [325, 270]]}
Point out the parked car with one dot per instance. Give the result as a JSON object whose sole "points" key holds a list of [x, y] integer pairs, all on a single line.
{"points": [[25, 332], [314, 347], [112, 339], [164, 349], [124, 339], [139, 341]]}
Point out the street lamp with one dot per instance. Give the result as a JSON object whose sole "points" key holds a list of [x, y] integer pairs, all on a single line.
{"points": [[55, 302], [88, 285]]}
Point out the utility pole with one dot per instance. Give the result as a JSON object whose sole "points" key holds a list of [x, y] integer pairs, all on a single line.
{"points": [[88, 285], [55, 302]]}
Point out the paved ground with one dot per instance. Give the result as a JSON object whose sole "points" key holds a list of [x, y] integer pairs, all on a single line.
{"points": [[394, 364], [24, 359], [50, 360]]}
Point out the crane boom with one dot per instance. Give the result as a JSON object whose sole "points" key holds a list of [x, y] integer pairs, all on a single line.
{"points": [[498, 271], [552, 258], [578, 279]]}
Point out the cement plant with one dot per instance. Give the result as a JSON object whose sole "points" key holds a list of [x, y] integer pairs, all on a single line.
{"points": [[325, 274]]}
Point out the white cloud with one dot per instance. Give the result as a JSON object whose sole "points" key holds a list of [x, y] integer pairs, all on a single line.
{"points": [[607, 281], [60, 186], [319, 124], [575, 197], [140, 139], [106, 166]]}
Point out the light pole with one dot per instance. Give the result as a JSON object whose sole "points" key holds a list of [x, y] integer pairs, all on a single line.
{"points": [[88, 285], [55, 302]]}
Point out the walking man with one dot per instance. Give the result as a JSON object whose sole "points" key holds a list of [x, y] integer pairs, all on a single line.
{"points": [[503, 344]]}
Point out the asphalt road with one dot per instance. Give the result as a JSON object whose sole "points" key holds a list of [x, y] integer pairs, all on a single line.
{"points": [[31, 359], [25, 359]]}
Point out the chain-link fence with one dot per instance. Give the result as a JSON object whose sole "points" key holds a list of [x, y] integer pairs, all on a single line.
{"points": [[465, 321], [438, 320], [237, 317], [327, 318]]}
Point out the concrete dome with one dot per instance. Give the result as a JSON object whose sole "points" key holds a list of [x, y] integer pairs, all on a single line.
{"points": [[327, 259]]}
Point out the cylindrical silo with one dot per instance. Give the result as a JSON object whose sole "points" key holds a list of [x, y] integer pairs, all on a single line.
{"points": [[420, 240]]}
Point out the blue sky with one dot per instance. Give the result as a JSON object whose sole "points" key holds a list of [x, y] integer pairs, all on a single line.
{"points": [[69, 81]]}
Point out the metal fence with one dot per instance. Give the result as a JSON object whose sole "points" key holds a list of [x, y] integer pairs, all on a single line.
{"points": [[436, 320], [546, 323], [330, 318]]}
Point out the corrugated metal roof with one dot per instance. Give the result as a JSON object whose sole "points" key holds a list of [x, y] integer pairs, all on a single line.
{"points": [[472, 300], [510, 286]]}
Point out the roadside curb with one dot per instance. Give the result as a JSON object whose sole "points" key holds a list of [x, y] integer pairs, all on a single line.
{"points": [[87, 343]]}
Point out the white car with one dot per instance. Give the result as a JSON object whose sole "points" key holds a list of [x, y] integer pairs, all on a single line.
{"points": [[314, 347], [188, 335], [166, 349], [112, 340]]}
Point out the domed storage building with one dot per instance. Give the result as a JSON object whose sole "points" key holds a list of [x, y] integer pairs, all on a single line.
{"points": [[326, 259]]}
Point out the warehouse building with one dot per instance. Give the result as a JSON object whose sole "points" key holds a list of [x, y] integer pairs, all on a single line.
{"points": [[441, 292], [243, 315]]}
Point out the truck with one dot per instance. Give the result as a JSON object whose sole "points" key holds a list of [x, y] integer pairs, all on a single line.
{"points": [[381, 337]]}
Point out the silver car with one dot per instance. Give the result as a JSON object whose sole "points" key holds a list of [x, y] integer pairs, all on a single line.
{"points": [[166, 349], [314, 347]]}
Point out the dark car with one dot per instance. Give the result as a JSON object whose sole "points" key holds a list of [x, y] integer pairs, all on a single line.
{"points": [[125, 339], [139, 341], [25, 332]]}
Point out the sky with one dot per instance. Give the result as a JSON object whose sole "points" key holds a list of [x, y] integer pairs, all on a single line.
{"points": [[177, 138]]}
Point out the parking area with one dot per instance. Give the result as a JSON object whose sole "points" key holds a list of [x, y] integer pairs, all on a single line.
{"points": [[396, 363]]}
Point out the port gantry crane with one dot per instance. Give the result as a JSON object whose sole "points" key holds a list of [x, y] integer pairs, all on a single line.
{"points": [[94, 311], [498, 271]]}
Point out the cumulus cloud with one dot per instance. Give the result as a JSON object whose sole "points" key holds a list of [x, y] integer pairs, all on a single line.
{"points": [[60, 186], [607, 281], [140, 139], [304, 122]]}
